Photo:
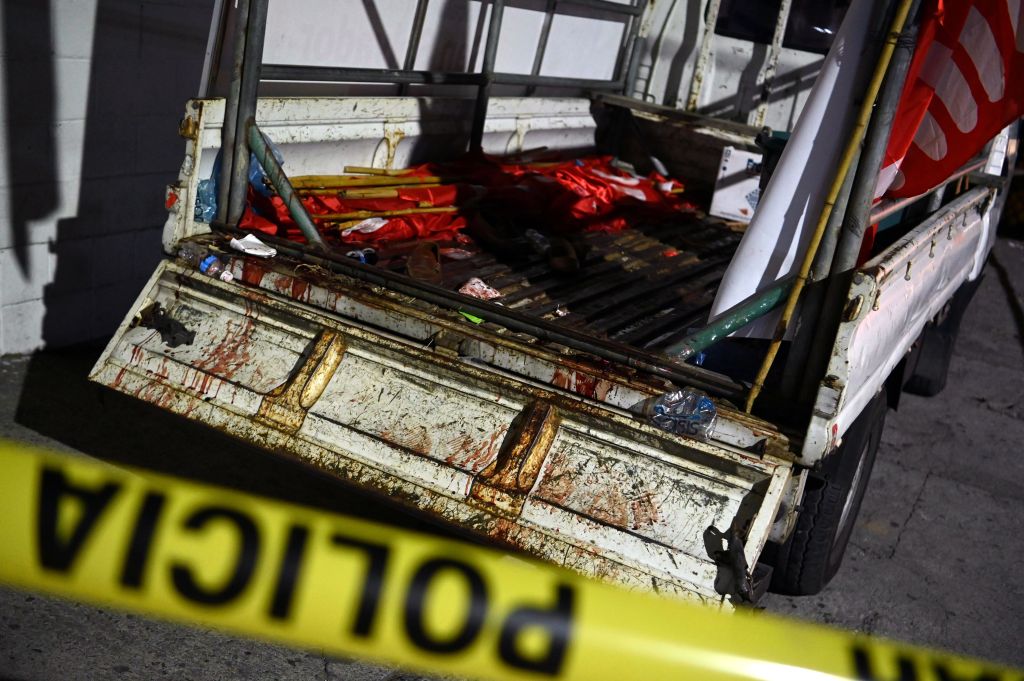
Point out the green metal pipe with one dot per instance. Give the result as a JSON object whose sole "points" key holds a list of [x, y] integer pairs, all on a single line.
{"points": [[731, 320], [258, 145]]}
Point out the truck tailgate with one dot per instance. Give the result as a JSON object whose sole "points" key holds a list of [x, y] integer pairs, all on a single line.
{"points": [[513, 461]]}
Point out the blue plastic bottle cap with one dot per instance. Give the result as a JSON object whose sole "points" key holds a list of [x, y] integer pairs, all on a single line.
{"points": [[205, 264]]}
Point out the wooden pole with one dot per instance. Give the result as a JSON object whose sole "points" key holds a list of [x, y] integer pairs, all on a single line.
{"points": [[342, 181], [336, 217]]}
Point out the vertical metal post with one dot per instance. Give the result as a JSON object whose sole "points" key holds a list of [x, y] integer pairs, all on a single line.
{"points": [[415, 34], [542, 43], [862, 196], [483, 95], [214, 42], [810, 307], [872, 97], [697, 81], [935, 199], [261, 148], [855, 222], [656, 51], [768, 73], [248, 92], [228, 129], [629, 51]]}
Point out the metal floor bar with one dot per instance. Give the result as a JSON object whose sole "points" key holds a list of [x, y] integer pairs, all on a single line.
{"points": [[644, 286]]}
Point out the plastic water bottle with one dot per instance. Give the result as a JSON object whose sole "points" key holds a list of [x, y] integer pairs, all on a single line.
{"points": [[204, 261], [685, 412], [214, 267]]}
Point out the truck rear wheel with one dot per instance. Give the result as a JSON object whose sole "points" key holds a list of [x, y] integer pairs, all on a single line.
{"points": [[814, 551]]}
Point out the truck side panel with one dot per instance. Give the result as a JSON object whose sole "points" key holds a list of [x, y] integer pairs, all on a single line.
{"points": [[890, 301]]}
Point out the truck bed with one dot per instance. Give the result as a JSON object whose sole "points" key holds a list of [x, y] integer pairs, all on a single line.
{"points": [[644, 286]]}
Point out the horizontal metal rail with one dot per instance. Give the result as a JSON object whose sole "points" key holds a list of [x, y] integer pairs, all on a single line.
{"points": [[347, 74], [606, 6], [887, 207], [344, 74]]}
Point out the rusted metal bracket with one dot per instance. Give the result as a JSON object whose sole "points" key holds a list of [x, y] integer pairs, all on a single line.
{"points": [[285, 406], [504, 485]]}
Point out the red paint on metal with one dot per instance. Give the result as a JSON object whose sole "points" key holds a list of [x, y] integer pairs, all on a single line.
{"points": [[609, 505], [561, 379], [288, 285], [252, 272], [156, 393], [557, 483], [299, 289], [457, 445], [172, 198], [414, 438], [581, 383], [232, 352], [475, 459], [585, 384]]}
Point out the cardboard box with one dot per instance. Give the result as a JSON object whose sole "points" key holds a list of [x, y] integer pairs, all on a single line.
{"points": [[736, 189]]}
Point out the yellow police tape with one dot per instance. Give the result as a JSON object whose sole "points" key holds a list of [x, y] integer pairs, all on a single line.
{"points": [[209, 556]]}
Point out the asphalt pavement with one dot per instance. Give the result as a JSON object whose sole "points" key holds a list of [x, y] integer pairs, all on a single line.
{"points": [[935, 557]]}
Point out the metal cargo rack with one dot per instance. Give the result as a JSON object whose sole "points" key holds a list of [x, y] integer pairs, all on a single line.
{"points": [[249, 70], [652, 340]]}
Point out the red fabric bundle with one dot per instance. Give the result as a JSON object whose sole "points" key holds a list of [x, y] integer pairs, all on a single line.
{"points": [[587, 194]]}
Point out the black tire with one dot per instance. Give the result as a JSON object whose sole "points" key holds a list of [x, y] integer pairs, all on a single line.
{"points": [[933, 351], [832, 497]]}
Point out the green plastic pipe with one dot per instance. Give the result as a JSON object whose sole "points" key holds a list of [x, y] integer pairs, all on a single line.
{"points": [[258, 145], [731, 320]]}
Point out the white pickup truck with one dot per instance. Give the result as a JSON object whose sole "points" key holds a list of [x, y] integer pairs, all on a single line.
{"points": [[525, 421]]}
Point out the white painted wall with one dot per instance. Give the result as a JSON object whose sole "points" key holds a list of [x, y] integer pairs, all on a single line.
{"points": [[90, 99]]}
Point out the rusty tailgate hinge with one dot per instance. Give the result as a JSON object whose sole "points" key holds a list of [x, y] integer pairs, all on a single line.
{"points": [[285, 406], [504, 485]]}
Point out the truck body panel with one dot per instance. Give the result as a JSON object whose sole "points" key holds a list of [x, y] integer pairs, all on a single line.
{"points": [[528, 423]]}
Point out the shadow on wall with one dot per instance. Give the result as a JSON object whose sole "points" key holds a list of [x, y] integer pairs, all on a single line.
{"points": [[29, 127], [147, 58], [145, 62]]}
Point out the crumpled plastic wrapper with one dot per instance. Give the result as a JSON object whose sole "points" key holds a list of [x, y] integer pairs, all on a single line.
{"points": [[685, 412], [478, 289], [251, 245]]}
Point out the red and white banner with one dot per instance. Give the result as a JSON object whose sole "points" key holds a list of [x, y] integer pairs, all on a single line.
{"points": [[966, 82]]}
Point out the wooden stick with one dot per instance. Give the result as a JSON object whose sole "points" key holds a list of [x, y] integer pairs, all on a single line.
{"points": [[363, 170], [365, 192], [341, 181], [335, 217]]}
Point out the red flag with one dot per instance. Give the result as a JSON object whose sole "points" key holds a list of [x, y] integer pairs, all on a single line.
{"points": [[966, 82]]}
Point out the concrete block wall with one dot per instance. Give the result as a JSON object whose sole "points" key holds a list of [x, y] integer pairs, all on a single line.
{"points": [[90, 99]]}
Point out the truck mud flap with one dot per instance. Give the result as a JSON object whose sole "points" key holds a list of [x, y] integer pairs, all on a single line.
{"points": [[526, 466]]}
